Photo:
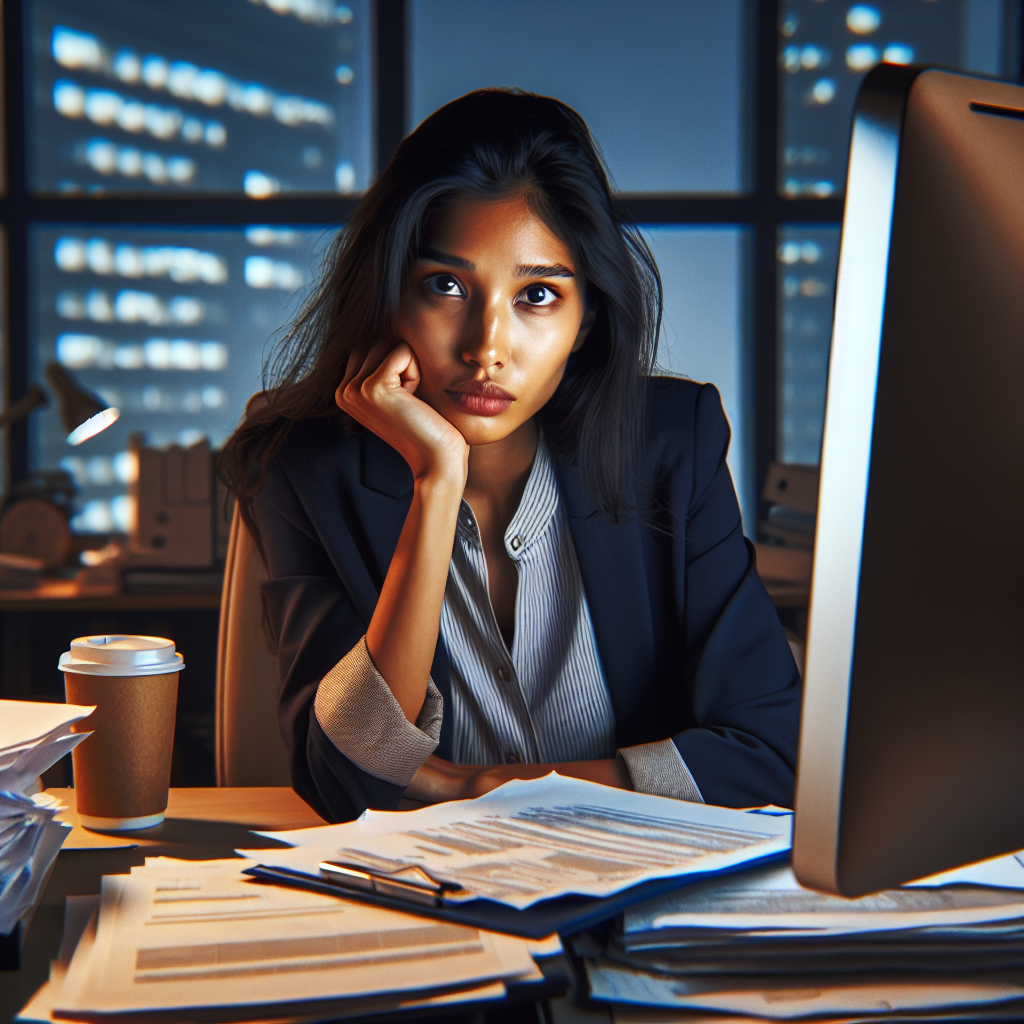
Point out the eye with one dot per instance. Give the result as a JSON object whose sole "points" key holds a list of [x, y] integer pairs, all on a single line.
{"points": [[445, 284], [539, 295]]}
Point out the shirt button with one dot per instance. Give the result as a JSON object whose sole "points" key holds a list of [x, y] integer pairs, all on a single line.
{"points": [[515, 543], [511, 757], [501, 673]]}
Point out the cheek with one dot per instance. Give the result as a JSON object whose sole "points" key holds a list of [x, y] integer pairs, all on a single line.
{"points": [[545, 353], [428, 333]]}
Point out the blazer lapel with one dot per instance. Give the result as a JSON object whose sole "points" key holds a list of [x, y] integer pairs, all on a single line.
{"points": [[611, 561]]}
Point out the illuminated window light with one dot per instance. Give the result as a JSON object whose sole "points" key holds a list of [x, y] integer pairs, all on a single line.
{"points": [[99, 256], [126, 467], [68, 99], [898, 53], [95, 517], [190, 436], [345, 177], [263, 272], [130, 357], [861, 57], [316, 12], [180, 263], [70, 306], [258, 185], [123, 512], [824, 91], [73, 49], [214, 398], [263, 235], [80, 351], [812, 57], [99, 308], [127, 66], [862, 19], [213, 355], [789, 253]]}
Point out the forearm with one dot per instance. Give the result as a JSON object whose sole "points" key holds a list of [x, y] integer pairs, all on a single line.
{"points": [[402, 634]]}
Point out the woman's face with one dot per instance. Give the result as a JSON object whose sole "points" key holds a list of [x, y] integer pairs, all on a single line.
{"points": [[492, 309]]}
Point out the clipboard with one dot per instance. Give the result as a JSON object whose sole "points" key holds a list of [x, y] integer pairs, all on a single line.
{"points": [[565, 915]]}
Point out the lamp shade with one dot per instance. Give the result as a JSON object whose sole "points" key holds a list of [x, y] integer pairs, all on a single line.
{"points": [[84, 413]]}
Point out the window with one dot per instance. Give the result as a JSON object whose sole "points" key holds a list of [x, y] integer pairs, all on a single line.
{"points": [[169, 325], [267, 97], [663, 86], [825, 49], [232, 137]]}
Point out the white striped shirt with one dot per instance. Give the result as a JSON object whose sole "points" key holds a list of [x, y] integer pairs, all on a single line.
{"points": [[546, 699]]}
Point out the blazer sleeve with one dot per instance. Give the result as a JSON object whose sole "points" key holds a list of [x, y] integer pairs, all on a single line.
{"points": [[315, 626], [738, 667]]}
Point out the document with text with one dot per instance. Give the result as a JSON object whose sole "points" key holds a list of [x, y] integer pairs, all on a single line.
{"points": [[540, 839]]}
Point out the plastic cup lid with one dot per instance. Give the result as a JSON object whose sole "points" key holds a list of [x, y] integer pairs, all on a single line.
{"points": [[121, 656]]}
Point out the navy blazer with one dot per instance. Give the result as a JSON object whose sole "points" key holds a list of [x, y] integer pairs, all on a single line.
{"points": [[689, 641]]}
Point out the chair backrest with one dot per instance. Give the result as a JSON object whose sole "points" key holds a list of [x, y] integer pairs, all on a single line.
{"points": [[250, 750]]}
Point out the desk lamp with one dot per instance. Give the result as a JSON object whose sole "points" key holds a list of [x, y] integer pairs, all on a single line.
{"points": [[33, 523], [83, 413]]}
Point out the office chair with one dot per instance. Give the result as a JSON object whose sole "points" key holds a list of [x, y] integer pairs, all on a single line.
{"points": [[250, 750]]}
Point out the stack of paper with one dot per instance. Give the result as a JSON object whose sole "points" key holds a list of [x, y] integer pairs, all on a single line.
{"points": [[33, 736], [537, 840], [758, 944], [188, 937]]}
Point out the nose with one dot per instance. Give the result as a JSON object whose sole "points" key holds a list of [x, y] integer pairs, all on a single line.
{"points": [[486, 342]]}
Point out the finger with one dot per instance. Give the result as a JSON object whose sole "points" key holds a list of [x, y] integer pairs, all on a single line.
{"points": [[352, 365], [394, 368], [360, 365], [410, 375]]}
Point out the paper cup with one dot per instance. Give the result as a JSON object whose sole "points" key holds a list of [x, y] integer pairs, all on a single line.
{"points": [[123, 771]]}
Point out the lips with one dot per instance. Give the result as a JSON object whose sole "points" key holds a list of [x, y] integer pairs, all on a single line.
{"points": [[481, 398]]}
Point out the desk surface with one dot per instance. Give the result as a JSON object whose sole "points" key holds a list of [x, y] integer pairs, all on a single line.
{"points": [[201, 824], [70, 595], [192, 812]]}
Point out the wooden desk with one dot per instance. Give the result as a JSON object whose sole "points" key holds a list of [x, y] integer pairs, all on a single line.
{"points": [[201, 824], [70, 596]]}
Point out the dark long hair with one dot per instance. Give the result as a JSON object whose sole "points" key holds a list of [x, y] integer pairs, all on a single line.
{"points": [[488, 145]]}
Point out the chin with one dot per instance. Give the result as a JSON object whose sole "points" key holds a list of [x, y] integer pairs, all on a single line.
{"points": [[478, 430]]}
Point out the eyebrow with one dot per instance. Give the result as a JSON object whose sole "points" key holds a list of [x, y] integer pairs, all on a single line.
{"points": [[554, 270], [532, 270], [446, 258]]}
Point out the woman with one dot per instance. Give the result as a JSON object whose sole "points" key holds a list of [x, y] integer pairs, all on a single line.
{"points": [[495, 544]]}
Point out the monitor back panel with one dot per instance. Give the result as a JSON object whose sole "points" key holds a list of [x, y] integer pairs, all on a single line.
{"points": [[926, 769]]}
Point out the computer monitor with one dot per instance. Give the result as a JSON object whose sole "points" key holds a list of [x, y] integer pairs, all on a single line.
{"points": [[912, 738]]}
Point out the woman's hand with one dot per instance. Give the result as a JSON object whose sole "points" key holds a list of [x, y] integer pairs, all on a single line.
{"points": [[379, 391], [438, 780]]}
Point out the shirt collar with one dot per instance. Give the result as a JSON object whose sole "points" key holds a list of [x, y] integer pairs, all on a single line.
{"points": [[536, 508]]}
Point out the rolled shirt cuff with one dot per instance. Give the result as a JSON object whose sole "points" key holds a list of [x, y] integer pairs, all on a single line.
{"points": [[361, 717], [658, 769]]}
